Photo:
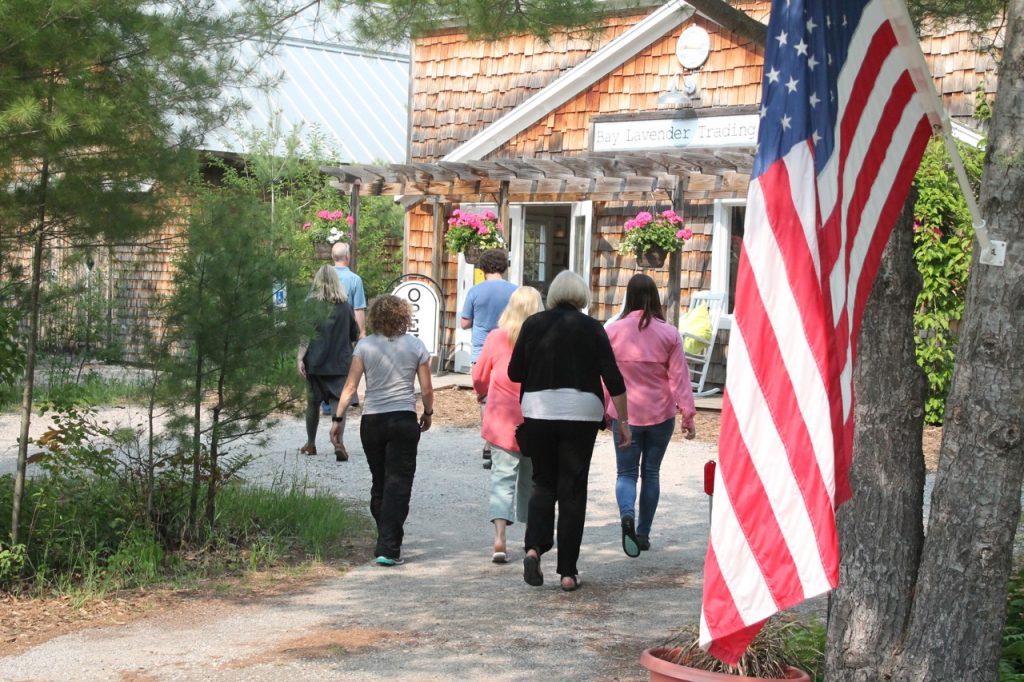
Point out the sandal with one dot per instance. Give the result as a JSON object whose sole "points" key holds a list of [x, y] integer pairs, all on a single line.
{"points": [[308, 450], [500, 557], [531, 570], [576, 582]]}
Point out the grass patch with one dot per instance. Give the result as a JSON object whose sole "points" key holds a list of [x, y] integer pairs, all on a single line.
{"points": [[91, 389], [289, 520], [83, 537]]}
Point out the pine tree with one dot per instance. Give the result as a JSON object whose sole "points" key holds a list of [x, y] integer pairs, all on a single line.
{"points": [[102, 104]]}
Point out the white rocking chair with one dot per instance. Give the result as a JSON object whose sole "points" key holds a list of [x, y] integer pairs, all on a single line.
{"points": [[700, 362]]}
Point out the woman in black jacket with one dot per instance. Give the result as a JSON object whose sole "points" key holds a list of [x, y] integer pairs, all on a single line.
{"points": [[325, 361], [560, 359]]}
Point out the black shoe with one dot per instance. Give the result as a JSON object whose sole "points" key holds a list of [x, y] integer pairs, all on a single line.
{"points": [[644, 542], [531, 571], [630, 544], [487, 454], [487, 464]]}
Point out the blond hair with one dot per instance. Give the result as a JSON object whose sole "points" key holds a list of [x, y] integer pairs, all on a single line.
{"points": [[327, 286], [525, 301]]}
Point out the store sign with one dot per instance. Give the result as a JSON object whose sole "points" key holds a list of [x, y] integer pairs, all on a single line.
{"points": [[426, 312], [708, 132]]}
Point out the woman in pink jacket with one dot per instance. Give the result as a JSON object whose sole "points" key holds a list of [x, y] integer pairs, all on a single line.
{"points": [[511, 473], [650, 356]]}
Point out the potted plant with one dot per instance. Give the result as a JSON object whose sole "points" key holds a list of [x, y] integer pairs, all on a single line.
{"points": [[651, 237], [773, 655], [470, 234], [327, 228]]}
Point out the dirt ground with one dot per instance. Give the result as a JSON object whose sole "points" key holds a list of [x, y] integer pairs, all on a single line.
{"points": [[26, 622], [457, 406]]}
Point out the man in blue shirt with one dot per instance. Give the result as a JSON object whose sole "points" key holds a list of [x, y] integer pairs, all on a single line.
{"points": [[353, 286], [485, 302], [351, 283]]}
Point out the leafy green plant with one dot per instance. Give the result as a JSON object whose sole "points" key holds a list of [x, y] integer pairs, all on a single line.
{"points": [[646, 231], [943, 243], [1011, 663]]}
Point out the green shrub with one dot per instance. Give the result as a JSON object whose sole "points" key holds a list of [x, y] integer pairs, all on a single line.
{"points": [[943, 243], [1011, 664]]}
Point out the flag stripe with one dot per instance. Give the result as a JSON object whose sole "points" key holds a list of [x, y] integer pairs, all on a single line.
{"points": [[842, 132]]}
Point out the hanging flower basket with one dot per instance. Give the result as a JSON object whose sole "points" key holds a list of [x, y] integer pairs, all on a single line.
{"points": [[652, 257], [472, 254], [471, 234], [651, 237], [323, 250]]}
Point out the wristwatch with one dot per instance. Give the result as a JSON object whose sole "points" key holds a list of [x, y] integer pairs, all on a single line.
{"points": [[428, 414], [336, 418]]}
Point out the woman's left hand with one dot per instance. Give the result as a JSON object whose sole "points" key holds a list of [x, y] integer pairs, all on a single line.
{"points": [[335, 434], [625, 435], [425, 422]]}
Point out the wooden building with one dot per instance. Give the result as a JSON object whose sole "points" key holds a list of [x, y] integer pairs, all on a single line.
{"points": [[566, 139]]}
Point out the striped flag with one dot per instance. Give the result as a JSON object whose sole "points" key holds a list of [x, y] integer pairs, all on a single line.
{"points": [[842, 132]]}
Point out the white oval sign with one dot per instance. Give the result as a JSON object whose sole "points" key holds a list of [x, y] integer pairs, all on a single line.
{"points": [[693, 47], [426, 312]]}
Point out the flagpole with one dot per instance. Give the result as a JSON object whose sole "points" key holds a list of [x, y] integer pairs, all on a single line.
{"points": [[991, 252]]}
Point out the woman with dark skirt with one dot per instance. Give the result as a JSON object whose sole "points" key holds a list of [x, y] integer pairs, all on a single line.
{"points": [[561, 358], [324, 362]]}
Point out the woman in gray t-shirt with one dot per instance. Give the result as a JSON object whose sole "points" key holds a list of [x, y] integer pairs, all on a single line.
{"points": [[388, 429]]}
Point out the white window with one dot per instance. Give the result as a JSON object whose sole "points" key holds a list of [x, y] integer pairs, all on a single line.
{"points": [[726, 242]]}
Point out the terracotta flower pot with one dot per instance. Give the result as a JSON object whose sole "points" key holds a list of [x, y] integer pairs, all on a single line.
{"points": [[323, 250], [663, 670], [651, 258]]}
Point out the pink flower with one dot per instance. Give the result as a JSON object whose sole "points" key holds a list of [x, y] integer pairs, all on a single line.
{"points": [[350, 220], [456, 213], [325, 215], [498, 226], [684, 234], [482, 229], [337, 215], [677, 219], [917, 226], [452, 221], [489, 215], [306, 226], [642, 218], [630, 225], [669, 213]]}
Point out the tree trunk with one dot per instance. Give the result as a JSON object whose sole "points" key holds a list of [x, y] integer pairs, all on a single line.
{"points": [[880, 528], [960, 609], [197, 448], [30, 362]]}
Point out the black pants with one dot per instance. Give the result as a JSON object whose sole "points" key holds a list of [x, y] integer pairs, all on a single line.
{"points": [[561, 453], [389, 441]]}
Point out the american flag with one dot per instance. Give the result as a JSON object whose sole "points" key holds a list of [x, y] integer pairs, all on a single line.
{"points": [[842, 132]]}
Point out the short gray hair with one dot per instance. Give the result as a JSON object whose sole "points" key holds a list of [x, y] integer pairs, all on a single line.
{"points": [[568, 287], [340, 251]]}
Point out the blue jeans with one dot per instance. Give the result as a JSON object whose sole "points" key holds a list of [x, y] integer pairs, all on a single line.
{"points": [[642, 457]]}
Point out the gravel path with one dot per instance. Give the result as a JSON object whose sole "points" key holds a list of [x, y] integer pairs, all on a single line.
{"points": [[448, 613]]}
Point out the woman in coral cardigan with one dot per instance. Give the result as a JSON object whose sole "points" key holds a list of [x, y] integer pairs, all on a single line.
{"points": [[511, 473], [650, 356]]}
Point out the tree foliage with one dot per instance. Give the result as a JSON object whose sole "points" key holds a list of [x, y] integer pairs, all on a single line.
{"points": [[393, 21], [943, 241]]}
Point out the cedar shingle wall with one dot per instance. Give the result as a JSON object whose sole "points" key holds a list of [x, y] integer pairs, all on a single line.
{"points": [[460, 86]]}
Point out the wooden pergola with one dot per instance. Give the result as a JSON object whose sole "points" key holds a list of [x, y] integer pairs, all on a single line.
{"points": [[678, 176]]}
